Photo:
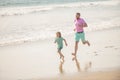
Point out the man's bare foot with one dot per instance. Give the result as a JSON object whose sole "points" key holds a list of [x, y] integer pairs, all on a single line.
{"points": [[73, 54], [88, 43]]}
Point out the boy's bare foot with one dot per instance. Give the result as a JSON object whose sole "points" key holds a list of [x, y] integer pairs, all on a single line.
{"points": [[61, 56], [62, 59], [74, 56]]}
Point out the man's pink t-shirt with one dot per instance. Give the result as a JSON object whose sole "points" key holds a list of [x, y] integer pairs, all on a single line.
{"points": [[79, 24]]}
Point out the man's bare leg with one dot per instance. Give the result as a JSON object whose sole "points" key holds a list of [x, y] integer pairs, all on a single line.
{"points": [[76, 49], [86, 42]]}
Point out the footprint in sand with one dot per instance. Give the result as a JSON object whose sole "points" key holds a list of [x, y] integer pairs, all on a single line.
{"points": [[116, 48], [88, 65], [118, 55], [109, 46], [95, 53]]}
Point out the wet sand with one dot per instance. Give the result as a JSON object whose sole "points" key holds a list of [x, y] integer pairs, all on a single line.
{"points": [[101, 75], [40, 60]]}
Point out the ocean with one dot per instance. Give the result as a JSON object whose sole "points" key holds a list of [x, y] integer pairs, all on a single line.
{"points": [[32, 20], [38, 2]]}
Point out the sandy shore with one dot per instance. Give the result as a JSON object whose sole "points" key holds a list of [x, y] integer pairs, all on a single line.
{"points": [[102, 75], [39, 60]]}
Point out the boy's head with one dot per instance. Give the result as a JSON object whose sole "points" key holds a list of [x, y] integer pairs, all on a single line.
{"points": [[77, 15], [58, 34]]}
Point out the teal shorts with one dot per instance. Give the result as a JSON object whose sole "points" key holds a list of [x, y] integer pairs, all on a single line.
{"points": [[59, 48], [79, 36]]}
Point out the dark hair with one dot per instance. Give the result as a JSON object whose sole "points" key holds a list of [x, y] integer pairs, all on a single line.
{"points": [[78, 14], [59, 33]]}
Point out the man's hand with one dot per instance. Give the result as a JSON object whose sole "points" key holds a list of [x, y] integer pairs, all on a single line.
{"points": [[74, 29], [85, 25]]}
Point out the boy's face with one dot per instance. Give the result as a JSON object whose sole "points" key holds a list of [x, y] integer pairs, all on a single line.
{"points": [[77, 16], [57, 34]]}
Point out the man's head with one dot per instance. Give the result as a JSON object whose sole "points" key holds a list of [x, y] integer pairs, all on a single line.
{"points": [[77, 15]]}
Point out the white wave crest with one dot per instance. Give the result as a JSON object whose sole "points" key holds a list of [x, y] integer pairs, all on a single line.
{"points": [[10, 11]]}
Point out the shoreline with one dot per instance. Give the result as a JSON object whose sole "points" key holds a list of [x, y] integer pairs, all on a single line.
{"points": [[17, 43]]}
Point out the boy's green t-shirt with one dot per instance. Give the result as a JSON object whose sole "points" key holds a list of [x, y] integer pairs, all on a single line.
{"points": [[59, 42]]}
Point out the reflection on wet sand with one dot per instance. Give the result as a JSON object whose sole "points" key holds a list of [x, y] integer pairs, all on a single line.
{"points": [[87, 66], [77, 63], [61, 67]]}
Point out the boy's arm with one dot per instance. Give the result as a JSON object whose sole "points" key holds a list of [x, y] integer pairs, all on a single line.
{"points": [[55, 41], [65, 42]]}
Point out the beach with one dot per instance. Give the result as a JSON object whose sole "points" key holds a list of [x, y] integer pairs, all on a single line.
{"points": [[19, 24], [109, 75], [28, 30], [40, 61]]}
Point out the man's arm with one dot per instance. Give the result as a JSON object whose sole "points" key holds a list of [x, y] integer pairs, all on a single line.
{"points": [[85, 25], [74, 29]]}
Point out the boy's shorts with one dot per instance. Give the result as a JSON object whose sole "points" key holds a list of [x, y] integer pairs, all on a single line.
{"points": [[79, 36], [59, 48]]}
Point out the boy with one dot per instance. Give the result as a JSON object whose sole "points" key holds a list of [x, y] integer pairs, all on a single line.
{"points": [[59, 40]]}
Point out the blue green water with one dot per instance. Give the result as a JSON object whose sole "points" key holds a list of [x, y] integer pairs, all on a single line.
{"points": [[38, 2], [32, 20]]}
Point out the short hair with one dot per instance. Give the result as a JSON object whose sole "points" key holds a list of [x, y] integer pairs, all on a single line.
{"points": [[59, 33], [78, 14]]}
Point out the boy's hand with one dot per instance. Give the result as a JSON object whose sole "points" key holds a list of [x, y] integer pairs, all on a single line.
{"points": [[54, 41], [65, 42]]}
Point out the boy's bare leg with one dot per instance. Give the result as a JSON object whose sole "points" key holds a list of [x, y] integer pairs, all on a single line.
{"points": [[61, 55], [86, 42], [76, 48]]}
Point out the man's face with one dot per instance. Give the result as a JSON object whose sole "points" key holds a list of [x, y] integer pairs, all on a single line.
{"points": [[77, 16]]}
